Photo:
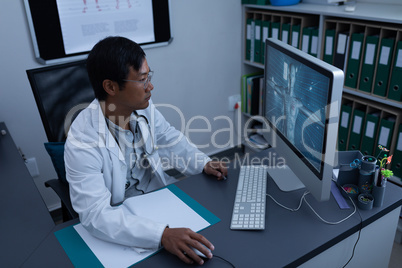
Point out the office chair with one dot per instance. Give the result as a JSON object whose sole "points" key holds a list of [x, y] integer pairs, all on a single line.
{"points": [[60, 92]]}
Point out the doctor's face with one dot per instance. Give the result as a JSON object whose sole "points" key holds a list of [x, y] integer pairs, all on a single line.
{"points": [[136, 92]]}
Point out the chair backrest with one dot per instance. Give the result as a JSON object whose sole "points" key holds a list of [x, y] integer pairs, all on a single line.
{"points": [[60, 92]]}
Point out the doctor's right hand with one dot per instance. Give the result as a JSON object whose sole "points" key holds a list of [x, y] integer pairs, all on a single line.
{"points": [[179, 240]]}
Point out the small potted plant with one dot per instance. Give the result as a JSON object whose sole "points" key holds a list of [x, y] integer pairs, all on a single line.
{"points": [[382, 177], [384, 173]]}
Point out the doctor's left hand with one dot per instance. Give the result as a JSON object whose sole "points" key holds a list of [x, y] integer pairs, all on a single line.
{"points": [[217, 169]]}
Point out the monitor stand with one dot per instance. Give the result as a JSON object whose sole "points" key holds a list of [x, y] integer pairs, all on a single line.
{"points": [[285, 179]]}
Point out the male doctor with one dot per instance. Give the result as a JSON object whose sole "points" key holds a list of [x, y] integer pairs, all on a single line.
{"points": [[115, 149]]}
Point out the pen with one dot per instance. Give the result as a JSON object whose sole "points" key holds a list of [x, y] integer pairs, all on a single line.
{"points": [[224, 177]]}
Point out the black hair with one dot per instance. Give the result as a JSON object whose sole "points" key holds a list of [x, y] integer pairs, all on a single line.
{"points": [[111, 58]]}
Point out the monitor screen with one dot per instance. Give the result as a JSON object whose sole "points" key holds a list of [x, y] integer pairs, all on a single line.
{"points": [[301, 100], [66, 30]]}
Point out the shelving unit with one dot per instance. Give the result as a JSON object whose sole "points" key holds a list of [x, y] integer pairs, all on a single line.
{"points": [[383, 20]]}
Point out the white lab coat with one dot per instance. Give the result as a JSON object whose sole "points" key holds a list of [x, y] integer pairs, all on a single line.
{"points": [[96, 172]]}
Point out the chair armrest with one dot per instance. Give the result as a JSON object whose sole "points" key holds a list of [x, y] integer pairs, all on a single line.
{"points": [[63, 191]]}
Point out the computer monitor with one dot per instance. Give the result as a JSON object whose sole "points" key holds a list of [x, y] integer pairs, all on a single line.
{"points": [[301, 99]]}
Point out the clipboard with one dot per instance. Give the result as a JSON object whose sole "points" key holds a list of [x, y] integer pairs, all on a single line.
{"points": [[84, 250]]}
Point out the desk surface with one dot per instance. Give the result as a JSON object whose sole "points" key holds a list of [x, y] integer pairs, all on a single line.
{"points": [[290, 238], [25, 220]]}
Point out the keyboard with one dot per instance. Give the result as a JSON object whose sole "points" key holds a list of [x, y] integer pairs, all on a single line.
{"points": [[249, 206]]}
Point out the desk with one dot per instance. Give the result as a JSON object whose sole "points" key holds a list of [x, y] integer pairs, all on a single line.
{"points": [[25, 220], [290, 238]]}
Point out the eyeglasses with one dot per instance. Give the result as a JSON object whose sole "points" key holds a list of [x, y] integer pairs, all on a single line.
{"points": [[145, 81]]}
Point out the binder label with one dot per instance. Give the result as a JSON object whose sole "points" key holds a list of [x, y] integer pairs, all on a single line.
{"points": [[257, 32], [383, 138], [314, 44], [399, 59], [384, 55], [295, 39], [264, 33], [305, 43], [248, 31], [285, 35], [357, 124], [370, 127], [356, 50], [341, 44], [399, 145], [328, 47], [370, 50], [275, 33], [345, 119]]}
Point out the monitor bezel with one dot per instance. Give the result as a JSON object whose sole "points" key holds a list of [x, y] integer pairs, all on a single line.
{"points": [[325, 72], [318, 182]]}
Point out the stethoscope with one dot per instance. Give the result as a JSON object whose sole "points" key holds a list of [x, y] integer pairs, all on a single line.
{"points": [[147, 139], [146, 135]]}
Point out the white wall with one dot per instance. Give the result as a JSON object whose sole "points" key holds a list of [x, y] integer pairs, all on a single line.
{"points": [[196, 72]]}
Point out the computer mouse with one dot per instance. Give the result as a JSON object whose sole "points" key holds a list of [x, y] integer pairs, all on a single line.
{"points": [[199, 253]]}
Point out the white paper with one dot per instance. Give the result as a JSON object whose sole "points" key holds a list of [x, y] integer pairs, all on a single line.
{"points": [[384, 55], [356, 50], [160, 206], [370, 50], [173, 209], [357, 124], [328, 45], [84, 23], [109, 254], [370, 129]]}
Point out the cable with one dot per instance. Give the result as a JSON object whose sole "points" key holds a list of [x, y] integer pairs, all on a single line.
{"points": [[360, 229], [303, 198], [358, 238], [291, 209], [228, 262], [334, 223], [325, 221]]}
